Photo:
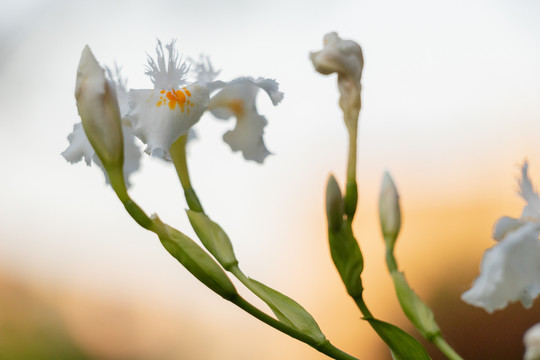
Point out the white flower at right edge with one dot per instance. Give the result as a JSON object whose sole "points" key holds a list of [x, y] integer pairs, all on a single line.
{"points": [[237, 98], [531, 340], [510, 270]]}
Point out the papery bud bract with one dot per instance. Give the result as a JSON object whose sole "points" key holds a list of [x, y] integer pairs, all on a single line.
{"points": [[531, 340], [334, 204], [99, 111], [389, 211]]}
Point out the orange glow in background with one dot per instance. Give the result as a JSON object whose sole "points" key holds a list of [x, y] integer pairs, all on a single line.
{"points": [[450, 108]]}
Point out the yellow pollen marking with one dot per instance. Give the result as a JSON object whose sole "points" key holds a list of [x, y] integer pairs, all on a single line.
{"points": [[175, 97], [237, 107], [188, 93], [162, 92]]}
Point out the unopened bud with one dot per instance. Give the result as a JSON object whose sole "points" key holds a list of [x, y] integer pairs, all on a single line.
{"points": [[99, 111], [334, 204], [389, 211], [339, 56]]}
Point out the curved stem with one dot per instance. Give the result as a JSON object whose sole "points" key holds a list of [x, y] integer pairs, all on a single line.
{"points": [[436, 338], [178, 155], [326, 347]]}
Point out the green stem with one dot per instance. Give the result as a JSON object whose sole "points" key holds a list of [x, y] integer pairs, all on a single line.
{"points": [[178, 155], [363, 307], [446, 349], [326, 347], [437, 338]]}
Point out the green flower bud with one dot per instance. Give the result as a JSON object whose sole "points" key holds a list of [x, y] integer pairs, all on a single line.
{"points": [[334, 204], [389, 211], [98, 108]]}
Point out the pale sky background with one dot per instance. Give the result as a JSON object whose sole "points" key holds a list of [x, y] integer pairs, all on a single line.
{"points": [[451, 107]]}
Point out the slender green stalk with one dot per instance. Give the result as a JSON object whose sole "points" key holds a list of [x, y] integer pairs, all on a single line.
{"points": [[362, 306], [446, 349], [178, 155], [326, 347], [436, 338]]}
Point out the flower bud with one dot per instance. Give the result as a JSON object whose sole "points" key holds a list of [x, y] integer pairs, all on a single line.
{"points": [[531, 339], [389, 211], [345, 58], [99, 111], [339, 56], [334, 204]]}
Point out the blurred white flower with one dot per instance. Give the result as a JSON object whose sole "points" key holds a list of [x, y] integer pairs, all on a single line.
{"points": [[345, 58], [510, 270], [79, 146], [237, 98], [531, 340], [161, 115]]}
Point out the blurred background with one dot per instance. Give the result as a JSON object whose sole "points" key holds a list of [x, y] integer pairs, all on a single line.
{"points": [[450, 107]]}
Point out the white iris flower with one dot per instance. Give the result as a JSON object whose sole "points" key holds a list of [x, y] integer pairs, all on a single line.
{"points": [[79, 146], [510, 270], [161, 115]]}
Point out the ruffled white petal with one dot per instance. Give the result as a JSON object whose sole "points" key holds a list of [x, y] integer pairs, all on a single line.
{"points": [[80, 149], [237, 98], [504, 225], [159, 117], [247, 137], [510, 271], [526, 189]]}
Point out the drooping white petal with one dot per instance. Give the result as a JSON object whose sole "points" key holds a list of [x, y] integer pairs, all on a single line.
{"points": [[159, 117], [531, 340], [510, 271], [237, 98], [80, 149], [247, 137], [504, 225]]}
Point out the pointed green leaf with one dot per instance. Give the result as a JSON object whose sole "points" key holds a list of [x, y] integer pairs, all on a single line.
{"points": [[196, 261], [213, 238], [348, 258], [414, 308], [287, 310], [402, 345]]}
